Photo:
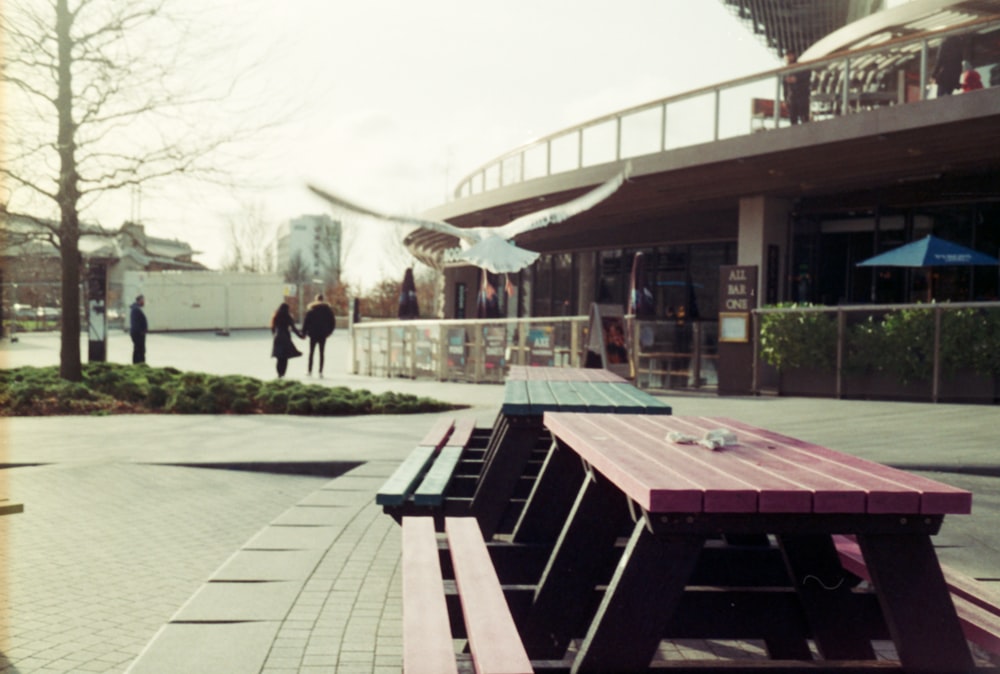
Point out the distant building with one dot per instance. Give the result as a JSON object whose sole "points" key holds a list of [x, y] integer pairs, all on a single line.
{"points": [[32, 269], [316, 241]]}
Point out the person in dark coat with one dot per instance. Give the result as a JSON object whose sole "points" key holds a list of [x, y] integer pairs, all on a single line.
{"points": [[282, 327], [317, 325], [408, 306], [137, 329], [797, 93], [948, 67]]}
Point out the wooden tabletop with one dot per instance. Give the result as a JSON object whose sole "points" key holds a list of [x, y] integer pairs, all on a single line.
{"points": [[527, 373], [763, 472], [535, 396]]}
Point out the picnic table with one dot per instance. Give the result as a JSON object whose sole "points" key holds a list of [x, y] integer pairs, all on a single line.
{"points": [[678, 577], [518, 431]]}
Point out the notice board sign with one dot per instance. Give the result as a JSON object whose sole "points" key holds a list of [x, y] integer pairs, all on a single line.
{"points": [[737, 298], [541, 343], [607, 344]]}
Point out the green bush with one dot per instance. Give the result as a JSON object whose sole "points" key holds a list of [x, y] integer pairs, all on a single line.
{"points": [[898, 343], [970, 340], [802, 339], [115, 388]]}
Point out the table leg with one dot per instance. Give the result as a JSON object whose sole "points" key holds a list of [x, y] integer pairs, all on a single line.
{"points": [[640, 599], [915, 602], [499, 428], [822, 587], [551, 498], [515, 441], [585, 549]]}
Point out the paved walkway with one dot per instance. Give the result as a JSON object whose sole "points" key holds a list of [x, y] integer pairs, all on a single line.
{"points": [[135, 540]]}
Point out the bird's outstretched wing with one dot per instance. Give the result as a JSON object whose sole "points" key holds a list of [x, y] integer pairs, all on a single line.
{"points": [[350, 208], [548, 216], [497, 255]]}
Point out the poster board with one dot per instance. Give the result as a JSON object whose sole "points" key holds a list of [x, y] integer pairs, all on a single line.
{"points": [[456, 352], [734, 327], [494, 350], [607, 343], [541, 342]]}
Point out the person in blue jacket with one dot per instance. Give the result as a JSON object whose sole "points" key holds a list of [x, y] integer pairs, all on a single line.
{"points": [[137, 329]]}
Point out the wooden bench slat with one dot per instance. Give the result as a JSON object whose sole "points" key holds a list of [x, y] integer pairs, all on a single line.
{"points": [[543, 373], [890, 489], [566, 396], [493, 637], [427, 642], [540, 397], [462, 434], [515, 398], [978, 608], [435, 482], [439, 433], [787, 483], [594, 395], [642, 401], [979, 626], [400, 484]]}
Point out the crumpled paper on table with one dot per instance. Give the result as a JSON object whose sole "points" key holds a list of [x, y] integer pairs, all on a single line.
{"points": [[714, 439]]}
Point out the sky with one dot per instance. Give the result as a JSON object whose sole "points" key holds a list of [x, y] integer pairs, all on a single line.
{"points": [[391, 102]]}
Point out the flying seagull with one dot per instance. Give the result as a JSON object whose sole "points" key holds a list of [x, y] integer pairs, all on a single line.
{"points": [[491, 248]]}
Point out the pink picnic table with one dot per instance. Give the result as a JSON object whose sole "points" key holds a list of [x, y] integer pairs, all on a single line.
{"points": [[681, 504]]}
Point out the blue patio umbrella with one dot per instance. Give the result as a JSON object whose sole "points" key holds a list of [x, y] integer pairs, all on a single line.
{"points": [[930, 251]]}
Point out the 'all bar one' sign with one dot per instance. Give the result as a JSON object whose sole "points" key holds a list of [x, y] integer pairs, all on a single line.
{"points": [[738, 297]]}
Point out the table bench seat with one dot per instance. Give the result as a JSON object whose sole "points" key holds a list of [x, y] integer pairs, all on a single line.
{"points": [[977, 605], [423, 478], [428, 647]]}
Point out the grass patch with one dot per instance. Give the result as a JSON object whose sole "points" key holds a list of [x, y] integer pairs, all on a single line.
{"points": [[114, 388]]}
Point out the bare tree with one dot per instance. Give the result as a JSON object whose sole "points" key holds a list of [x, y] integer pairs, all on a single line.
{"points": [[430, 291], [251, 240], [92, 105], [383, 300]]}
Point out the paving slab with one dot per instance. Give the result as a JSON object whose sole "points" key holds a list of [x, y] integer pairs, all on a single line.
{"points": [[294, 537], [208, 649], [240, 601], [269, 565], [313, 516]]}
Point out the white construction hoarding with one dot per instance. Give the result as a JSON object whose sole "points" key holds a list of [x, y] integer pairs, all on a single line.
{"points": [[204, 300]]}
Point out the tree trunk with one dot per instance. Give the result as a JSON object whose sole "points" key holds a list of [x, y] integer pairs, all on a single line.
{"points": [[68, 197]]}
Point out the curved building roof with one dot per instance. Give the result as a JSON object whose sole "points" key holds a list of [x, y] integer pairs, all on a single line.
{"points": [[794, 25]]}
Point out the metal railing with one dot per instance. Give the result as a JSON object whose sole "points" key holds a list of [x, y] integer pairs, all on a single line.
{"points": [[665, 354], [844, 84], [465, 350]]}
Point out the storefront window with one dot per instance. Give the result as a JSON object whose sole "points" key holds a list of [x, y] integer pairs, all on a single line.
{"points": [[563, 285]]}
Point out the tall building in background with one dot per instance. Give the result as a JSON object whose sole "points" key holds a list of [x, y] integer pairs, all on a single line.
{"points": [[309, 247]]}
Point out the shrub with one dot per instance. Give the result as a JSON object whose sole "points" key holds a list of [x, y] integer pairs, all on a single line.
{"points": [[116, 388], [803, 339]]}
